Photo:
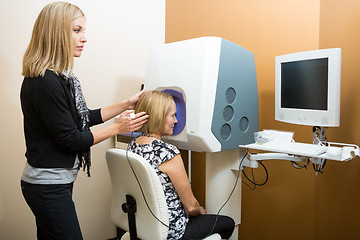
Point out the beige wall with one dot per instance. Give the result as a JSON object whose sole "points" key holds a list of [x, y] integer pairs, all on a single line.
{"points": [[111, 69], [294, 204]]}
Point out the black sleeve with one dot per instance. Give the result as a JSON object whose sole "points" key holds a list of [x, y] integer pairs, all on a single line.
{"points": [[95, 117], [52, 103]]}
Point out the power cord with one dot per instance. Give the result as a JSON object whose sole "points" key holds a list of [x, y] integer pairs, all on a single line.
{"points": [[319, 137], [318, 168], [253, 181], [231, 193], [253, 177], [299, 166], [141, 189]]}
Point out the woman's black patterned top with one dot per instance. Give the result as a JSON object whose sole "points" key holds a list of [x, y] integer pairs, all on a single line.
{"points": [[156, 153]]}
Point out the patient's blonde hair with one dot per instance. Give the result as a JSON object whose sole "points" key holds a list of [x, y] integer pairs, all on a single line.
{"points": [[157, 105], [51, 44]]}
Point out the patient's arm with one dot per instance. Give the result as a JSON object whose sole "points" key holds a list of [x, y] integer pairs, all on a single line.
{"points": [[175, 169]]}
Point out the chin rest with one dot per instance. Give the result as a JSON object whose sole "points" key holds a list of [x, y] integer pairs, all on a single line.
{"points": [[129, 211]]}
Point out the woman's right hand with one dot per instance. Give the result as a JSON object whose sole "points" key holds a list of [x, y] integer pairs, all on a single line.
{"points": [[126, 124]]}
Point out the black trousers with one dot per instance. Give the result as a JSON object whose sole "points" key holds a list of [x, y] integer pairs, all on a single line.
{"points": [[204, 225], [54, 210]]}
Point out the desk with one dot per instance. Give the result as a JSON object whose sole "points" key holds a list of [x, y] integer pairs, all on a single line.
{"points": [[345, 156]]}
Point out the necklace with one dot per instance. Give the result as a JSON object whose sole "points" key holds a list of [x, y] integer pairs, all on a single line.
{"points": [[148, 135]]}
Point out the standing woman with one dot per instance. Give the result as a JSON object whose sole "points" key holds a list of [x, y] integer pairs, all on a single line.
{"points": [[57, 121]]}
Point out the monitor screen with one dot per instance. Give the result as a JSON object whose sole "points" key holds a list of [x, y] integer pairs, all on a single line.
{"points": [[307, 87], [304, 84]]}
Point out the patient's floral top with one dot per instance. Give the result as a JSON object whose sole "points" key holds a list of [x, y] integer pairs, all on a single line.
{"points": [[156, 153]]}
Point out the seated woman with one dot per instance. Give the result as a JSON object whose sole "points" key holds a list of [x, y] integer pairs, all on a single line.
{"points": [[187, 219]]}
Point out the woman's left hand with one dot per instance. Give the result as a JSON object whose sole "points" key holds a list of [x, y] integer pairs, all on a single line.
{"points": [[126, 124], [133, 100]]}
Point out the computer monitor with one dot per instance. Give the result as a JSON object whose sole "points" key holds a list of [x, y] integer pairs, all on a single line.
{"points": [[307, 87]]}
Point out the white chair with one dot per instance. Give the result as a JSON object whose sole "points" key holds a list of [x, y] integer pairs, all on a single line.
{"points": [[125, 187]]}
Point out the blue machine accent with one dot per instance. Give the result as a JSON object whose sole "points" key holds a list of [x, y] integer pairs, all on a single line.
{"points": [[236, 111], [180, 109]]}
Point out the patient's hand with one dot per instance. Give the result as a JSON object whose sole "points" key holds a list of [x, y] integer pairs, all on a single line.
{"points": [[202, 210]]}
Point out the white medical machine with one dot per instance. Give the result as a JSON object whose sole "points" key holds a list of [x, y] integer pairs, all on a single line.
{"points": [[215, 81]]}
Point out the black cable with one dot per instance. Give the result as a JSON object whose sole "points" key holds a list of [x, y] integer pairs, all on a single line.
{"points": [[253, 182], [299, 166], [253, 177], [319, 167], [141, 189], [319, 135], [251, 188], [231, 193]]}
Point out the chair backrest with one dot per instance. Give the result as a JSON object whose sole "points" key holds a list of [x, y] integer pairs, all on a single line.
{"points": [[124, 182]]}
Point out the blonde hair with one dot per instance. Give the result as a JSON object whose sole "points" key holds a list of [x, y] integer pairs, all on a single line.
{"points": [[51, 45], [157, 105]]}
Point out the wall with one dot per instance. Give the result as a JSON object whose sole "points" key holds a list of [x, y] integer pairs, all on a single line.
{"points": [[111, 69], [294, 204], [337, 191]]}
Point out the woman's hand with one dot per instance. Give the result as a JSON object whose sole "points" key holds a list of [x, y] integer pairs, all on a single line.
{"points": [[113, 110], [126, 124], [133, 100]]}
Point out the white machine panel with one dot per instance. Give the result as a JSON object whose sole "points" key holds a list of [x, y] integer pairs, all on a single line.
{"points": [[217, 79]]}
